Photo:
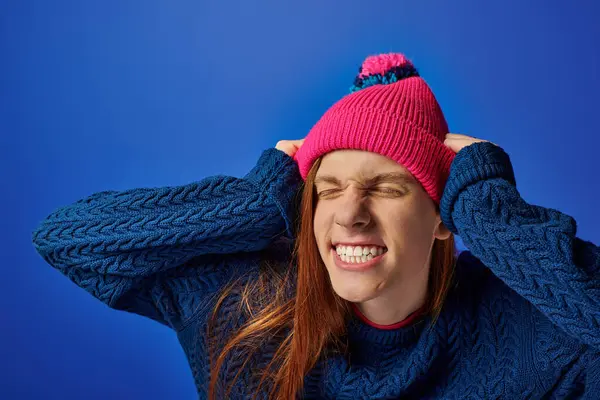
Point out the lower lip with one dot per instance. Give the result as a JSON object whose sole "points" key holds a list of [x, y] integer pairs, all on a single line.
{"points": [[363, 266]]}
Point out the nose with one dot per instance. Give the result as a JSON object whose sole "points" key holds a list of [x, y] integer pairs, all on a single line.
{"points": [[352, 211]]}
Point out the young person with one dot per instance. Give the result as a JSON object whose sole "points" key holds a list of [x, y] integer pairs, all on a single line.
{"points": [[355, 291]]}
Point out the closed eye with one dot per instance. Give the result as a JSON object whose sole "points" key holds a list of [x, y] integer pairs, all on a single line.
{"points": [[327, 192], [381, 191], [389, 191]]}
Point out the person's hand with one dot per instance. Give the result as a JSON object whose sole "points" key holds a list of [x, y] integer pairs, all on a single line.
{"points": [[456, 142], [289, 147]]}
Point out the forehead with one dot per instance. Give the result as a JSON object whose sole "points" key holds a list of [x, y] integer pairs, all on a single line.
{"points": [[350, 164]]}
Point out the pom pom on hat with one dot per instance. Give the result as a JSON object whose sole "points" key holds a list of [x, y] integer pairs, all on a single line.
{"points": [[383, 63], [383, 69]]}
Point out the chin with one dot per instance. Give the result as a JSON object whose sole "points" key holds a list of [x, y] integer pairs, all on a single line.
{"points": [[355, 293]]}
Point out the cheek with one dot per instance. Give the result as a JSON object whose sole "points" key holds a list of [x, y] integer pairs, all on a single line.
{"points": [[321, 222], [412, 226]]}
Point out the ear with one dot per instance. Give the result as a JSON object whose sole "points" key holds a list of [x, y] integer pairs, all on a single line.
{"points": [[441, 232]]}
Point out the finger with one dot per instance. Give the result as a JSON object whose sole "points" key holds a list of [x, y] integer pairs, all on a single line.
{"points": [[460, 139], [455, 143], [458, 136], [458, 142]]}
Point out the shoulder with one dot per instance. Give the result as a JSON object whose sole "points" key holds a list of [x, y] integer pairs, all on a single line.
{"points": [[485, 301], [474, 277], [198, 285], [476, 284]]}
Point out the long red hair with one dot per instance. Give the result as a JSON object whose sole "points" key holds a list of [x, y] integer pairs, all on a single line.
{"points": [[297, 305]]}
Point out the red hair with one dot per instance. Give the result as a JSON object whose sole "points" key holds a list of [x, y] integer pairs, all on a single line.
{"points": [[306, 330]]}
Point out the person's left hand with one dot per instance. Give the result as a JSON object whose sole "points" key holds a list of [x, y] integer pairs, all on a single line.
{"points": [[456, 142]]}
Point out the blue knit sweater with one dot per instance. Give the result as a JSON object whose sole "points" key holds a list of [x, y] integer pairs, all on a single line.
{"points": [[521, 321]]}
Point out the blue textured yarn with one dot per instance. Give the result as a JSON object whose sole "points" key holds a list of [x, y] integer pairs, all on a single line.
{"points": [[522, 319], [393, 75]]}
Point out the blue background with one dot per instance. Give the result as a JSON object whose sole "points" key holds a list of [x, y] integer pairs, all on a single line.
{"points": [[99, 95]]}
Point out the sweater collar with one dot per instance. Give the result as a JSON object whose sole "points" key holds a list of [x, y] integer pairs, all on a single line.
{"points": [[412, 317], [404, 333]]}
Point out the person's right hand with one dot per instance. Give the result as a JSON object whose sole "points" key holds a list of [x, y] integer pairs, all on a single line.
{"points": [[289, 147]]}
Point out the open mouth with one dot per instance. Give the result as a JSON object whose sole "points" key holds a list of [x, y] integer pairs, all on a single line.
{"points": [[358, 254]]}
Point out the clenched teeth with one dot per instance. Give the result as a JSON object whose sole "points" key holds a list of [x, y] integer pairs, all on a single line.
{"points": [[358, 254]]}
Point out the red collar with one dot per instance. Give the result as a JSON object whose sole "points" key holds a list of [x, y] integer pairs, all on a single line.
{"points": [[405, 322]]}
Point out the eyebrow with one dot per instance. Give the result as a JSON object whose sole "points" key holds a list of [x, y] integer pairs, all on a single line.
{"points": [[388, 177]]}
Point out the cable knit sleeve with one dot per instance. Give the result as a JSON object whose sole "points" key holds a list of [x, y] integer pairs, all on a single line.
{"points": [[533, 249], [112, 243]]}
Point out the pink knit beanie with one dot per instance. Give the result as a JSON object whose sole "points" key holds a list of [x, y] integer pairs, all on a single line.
{"points": [[392, 112]]}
